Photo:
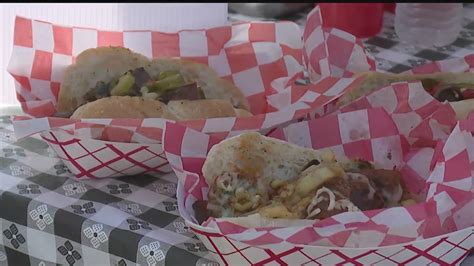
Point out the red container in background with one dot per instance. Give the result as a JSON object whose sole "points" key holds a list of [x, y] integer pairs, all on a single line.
{"points": [[390, 7], [360, 19]]}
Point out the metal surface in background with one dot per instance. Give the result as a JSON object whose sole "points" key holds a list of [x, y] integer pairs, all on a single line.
{"points": [[267, 10]]}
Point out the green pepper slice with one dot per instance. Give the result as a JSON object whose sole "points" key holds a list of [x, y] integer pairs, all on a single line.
{"points": [[124, 85], [168, 83]]}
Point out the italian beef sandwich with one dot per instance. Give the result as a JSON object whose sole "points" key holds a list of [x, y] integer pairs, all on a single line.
{"points": [[115, 82], [455, 88], [253, 174]]}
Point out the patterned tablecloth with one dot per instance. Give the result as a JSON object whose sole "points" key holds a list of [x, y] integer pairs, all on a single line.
{"points": [[47, 217]]}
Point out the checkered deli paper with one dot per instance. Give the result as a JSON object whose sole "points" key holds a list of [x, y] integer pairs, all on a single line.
{"points": [[418, 115], [263, 59], [332, 52], [443, 172], [388, 98]]}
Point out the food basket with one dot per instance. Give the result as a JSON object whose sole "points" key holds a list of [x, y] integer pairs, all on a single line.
{"points": [[263, 59], [438, 230]]}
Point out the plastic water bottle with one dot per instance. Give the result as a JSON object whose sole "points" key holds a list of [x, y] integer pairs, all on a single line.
{"points": [[428, 24]]}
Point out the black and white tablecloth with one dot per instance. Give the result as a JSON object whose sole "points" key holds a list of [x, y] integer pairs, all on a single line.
{"points": [[48, 218]]}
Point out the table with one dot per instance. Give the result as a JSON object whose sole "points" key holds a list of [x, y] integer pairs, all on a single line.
{"points": [[47, 217]]}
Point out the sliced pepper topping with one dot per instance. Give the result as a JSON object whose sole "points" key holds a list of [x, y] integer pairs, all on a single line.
{"points": [[167, 83], [124, 85]]}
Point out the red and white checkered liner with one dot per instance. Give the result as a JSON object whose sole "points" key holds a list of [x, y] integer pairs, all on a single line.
{"points": [[144, 131], [38, 63], [468, 123], [262, 58], [251, 55], [368, 133], [417, 114], [393, 98], [332, 52], [456, 65]]}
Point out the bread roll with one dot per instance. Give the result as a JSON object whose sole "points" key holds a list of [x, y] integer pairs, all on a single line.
{"points": [[123, 107], [105, 64], [139, 107]]}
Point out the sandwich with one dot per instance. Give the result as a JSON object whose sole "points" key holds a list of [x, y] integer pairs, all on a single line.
{"points": [[115, 82], [250, 173], [455, 88]]}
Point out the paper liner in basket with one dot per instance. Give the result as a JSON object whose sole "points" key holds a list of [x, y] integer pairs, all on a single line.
{"points": [[417, 114], [370, 134], [332, 52], [468, 123], [38, 63], [411, 107], [253, 55], [457, 65], [80, 140], [391, 99]]}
